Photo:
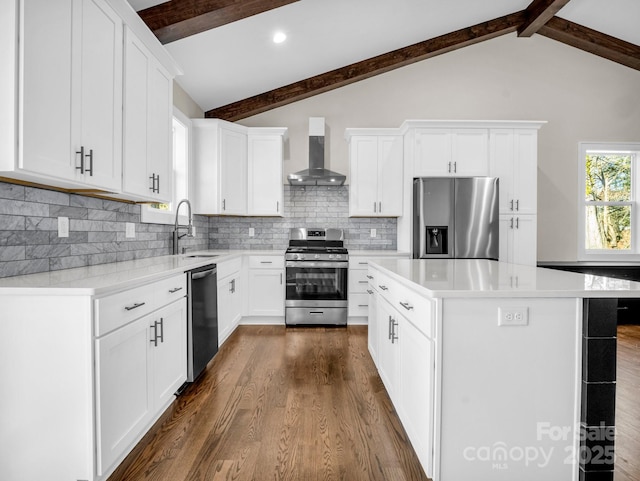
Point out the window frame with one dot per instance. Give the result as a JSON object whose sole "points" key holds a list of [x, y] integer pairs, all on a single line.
{"points": [[148, 214], [633, 254]]}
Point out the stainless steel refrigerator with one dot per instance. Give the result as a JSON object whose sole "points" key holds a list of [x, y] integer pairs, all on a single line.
{"points": [[455, 218]]}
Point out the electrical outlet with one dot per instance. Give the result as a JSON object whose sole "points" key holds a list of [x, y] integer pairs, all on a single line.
{"points": [[129, 230], [63, 227], [513, 316], [373, 232], [252, 232], [193, 230]]}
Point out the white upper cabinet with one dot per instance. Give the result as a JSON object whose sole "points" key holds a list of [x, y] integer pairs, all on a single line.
{"points": [[225, 155], [440, 152], [62, 103], [518, 239], [148, 100], [265, 187], [514, 160], [376, 174]]}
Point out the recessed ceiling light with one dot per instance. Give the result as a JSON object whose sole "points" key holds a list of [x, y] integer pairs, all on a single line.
{"points": [[279, 37]]}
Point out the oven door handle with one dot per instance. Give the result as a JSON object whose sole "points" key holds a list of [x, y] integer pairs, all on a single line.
{"points": [[327, 264]]}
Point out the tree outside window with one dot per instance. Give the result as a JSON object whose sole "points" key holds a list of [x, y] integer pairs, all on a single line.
{"points": [[608, 202]]}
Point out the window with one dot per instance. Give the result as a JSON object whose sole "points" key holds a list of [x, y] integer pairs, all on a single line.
{"points": [[165, 213], [610, 219]]}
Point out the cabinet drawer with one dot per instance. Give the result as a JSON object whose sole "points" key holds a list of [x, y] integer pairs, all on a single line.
{"points": [[358, 281], [358, 263], [417, 309], [359, 304], [119, 309], [266, 262], [229, 267], [168, 290]]}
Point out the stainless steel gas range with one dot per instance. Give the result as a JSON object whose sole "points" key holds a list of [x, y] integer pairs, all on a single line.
{"points": [[316, 265]]}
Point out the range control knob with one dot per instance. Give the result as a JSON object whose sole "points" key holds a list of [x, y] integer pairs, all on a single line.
{"points": [[301, 257], [331, 256], [338, 256], [317, 256]]}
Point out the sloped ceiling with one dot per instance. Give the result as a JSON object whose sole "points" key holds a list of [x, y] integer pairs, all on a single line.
{"points": [[233, 70]]}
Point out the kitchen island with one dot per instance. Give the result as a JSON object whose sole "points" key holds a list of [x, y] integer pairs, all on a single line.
{"points": [[499, 371]]}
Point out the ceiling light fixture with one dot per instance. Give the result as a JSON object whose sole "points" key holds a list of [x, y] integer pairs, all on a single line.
{"points": [[279, 37]]}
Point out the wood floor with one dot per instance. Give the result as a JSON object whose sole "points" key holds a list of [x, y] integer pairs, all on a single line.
{"points": [[307, 404], [280, 404], [627, 447]]}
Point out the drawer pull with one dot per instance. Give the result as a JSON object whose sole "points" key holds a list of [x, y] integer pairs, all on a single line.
{"points": [[266, 262], [384, 288], [135, 306], [369, 277], [363, 282], [407, 306], [362, 263], [363, 305], [174, 290], [369, 291]]}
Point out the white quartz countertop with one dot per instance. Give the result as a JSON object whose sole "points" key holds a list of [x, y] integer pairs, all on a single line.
{"points": [[465, 278], [377, 253], [106, 278]]}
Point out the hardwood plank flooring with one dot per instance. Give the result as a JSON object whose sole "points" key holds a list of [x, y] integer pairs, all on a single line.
{"points": [[278, 404], [627, 447]]}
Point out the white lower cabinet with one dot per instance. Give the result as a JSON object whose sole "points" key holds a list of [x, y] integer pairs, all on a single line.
{"points": [[265, 289], [229, 298], [402, 344], [138, 367]]}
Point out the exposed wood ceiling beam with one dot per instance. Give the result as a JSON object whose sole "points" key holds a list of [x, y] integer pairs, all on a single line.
{"points": [[538, 13], [592, 41], [176, 19], [368, 68]]}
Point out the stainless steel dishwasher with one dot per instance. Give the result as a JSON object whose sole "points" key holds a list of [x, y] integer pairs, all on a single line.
{"points": [[202, 323]]}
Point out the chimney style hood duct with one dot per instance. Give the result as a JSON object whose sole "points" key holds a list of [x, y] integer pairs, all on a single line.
{"points": [[316, 174]]}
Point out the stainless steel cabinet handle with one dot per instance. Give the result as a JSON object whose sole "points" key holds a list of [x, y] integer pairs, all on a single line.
{"points": [[161, 336], [176, 289], [369, 277], [363, 282], [153, 183], [517, 222], [363, 263], [407, 306], [232, 286], [369, 291], [455, 167], [266, 262], [90, 169], [449, 167], [380, 207], [374, 207], [389, 327], [277, 206], [224, 204], [511, 202], [394, 335], [363, 305], [81, 153], [511, 227], [135, 306], [154, 326], [384, 288], [281, 278], [518, 205]]}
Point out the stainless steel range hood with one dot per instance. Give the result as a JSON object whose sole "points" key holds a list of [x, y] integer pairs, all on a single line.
{"points": [[316, 174]]}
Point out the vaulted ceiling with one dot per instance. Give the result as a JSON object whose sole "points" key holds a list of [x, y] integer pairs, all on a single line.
{"points": [[233, 70]]}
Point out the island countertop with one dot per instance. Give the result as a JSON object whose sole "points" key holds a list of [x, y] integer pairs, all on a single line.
{"points": [[473, 278]]}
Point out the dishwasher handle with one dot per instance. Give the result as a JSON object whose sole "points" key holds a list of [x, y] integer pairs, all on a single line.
{"points": [[203, 274]]}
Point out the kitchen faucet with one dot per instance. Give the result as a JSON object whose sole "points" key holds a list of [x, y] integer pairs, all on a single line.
{"points": [[178, 227]]}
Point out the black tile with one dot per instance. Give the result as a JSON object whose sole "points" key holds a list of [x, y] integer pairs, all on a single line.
{"points": [[599, 359], [597, 448], [596, 475], [598, 404], [600, 317]]}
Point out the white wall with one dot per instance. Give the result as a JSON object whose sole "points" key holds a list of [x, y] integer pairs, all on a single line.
{"points": [[185, 104], [582, 96]]}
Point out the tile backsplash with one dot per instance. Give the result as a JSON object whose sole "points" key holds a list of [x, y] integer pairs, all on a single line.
{"points": [[304, 206], [29, 241]]}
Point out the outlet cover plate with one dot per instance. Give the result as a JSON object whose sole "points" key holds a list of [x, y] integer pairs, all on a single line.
{"points": [[513, 316], [130, 230], [63, 227]]}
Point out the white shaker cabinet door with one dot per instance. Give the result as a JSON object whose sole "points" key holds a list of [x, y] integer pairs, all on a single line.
{"points": [[124, 405], [266, 292], [233, 172], [97, 112], [363, 195], [168, 346], [390, 175], [265, 175], [46, 56]]}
